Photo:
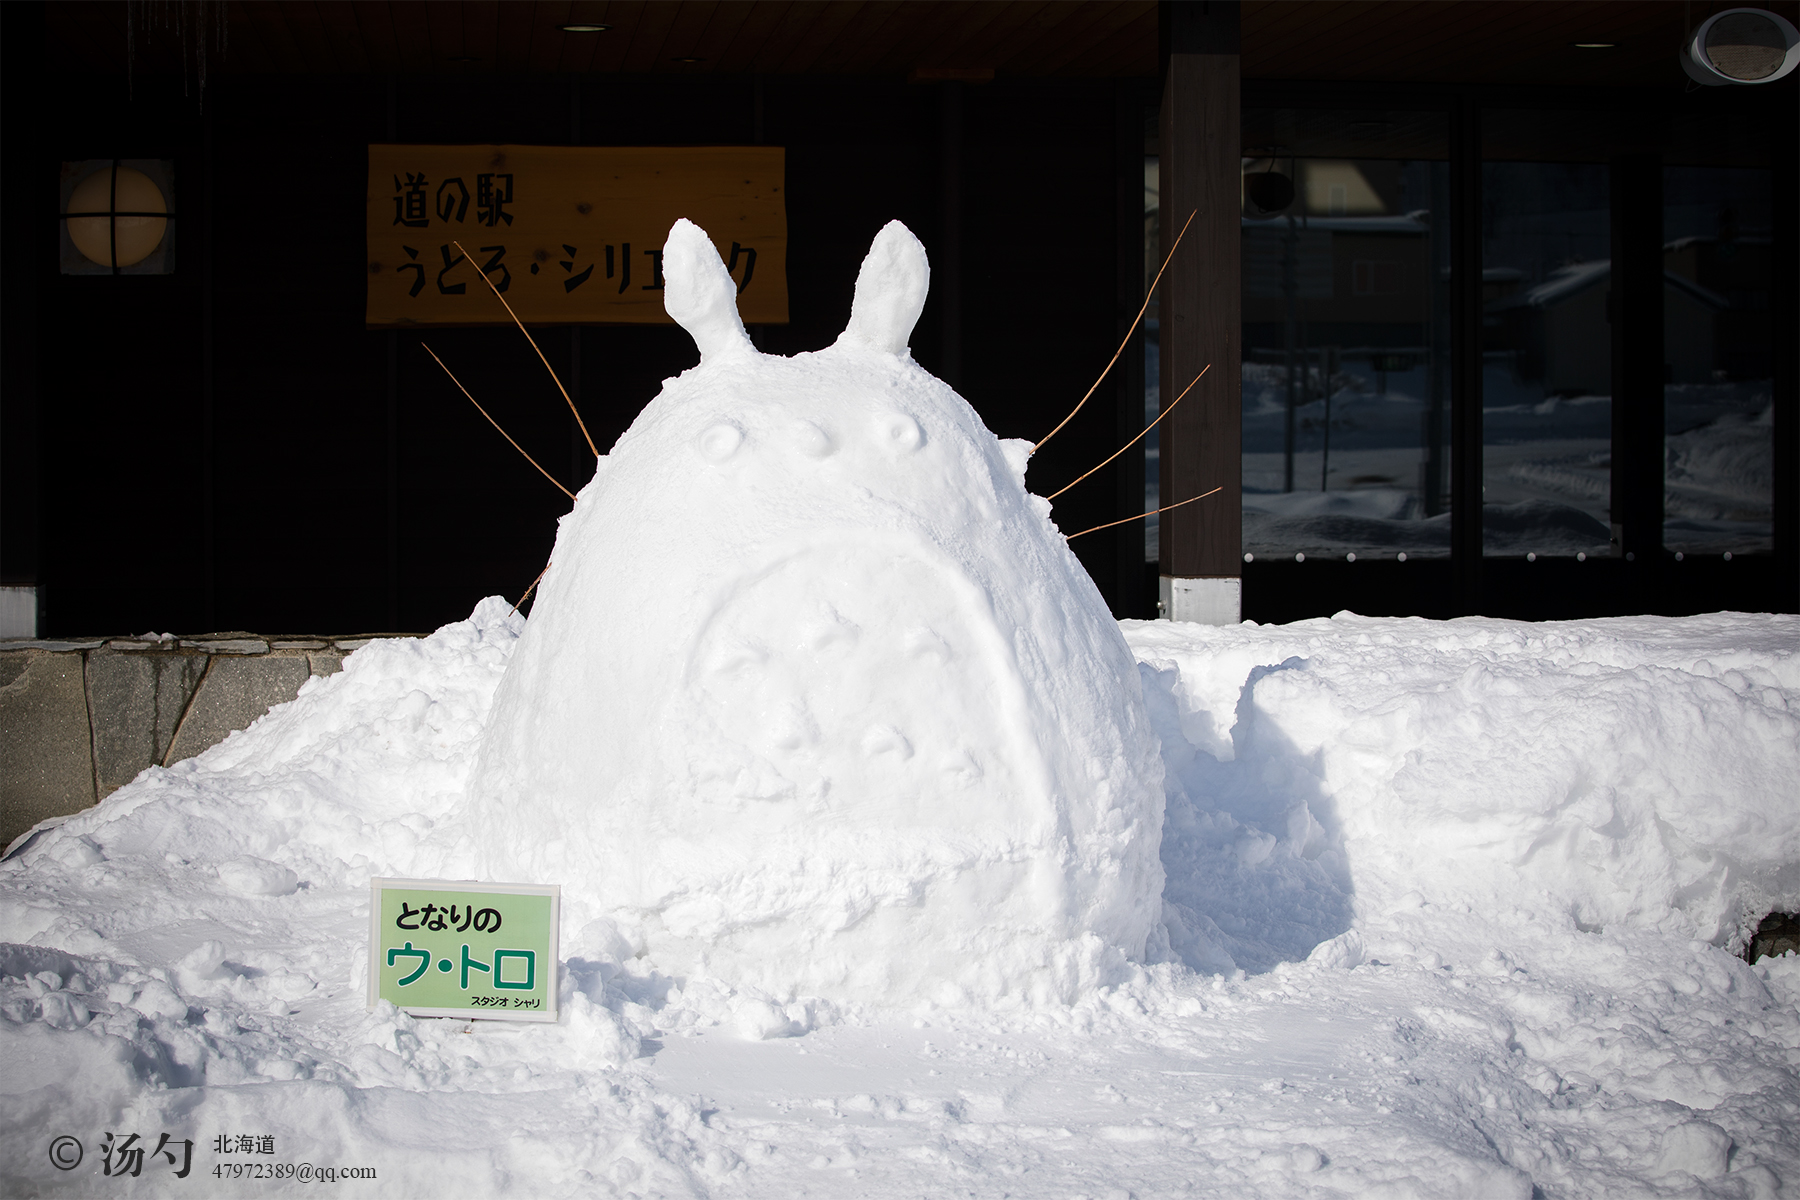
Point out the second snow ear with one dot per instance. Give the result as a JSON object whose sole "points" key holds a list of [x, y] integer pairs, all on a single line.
{"points": [[890, 290], [698, 291]]}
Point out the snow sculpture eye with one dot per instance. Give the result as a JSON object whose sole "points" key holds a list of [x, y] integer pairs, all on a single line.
{"points": [[885, 739], [899, 431], [720, 441], [810, 439]]}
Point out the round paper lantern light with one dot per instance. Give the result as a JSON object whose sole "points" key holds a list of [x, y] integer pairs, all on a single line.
{"points": [[119, 225]]}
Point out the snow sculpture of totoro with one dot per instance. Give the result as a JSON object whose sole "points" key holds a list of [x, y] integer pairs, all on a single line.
{"points": [[814, 697]]}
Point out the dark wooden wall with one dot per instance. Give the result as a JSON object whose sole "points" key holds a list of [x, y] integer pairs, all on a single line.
{"points": [[228, 446]]}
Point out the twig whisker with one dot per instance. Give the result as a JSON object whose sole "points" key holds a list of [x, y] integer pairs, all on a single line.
{"points": [[496, 424], [534, 346], [1068, 537]]}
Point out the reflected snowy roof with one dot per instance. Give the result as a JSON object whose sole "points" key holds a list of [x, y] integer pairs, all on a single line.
{"points": [[1568, 281], [1752, 239]]}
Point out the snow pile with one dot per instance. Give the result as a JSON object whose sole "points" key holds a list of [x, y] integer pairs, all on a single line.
{"points": [[814, 697], [1720, 469], [1464, 861], [191, 954], [1330, 776], [1732, 459], [1365, 521]]}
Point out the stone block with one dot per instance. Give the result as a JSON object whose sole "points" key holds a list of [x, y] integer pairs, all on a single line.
{"points": [[135, 700], [46, 748], [247, 644], [235, 691], [327, 662], [145, 641]]}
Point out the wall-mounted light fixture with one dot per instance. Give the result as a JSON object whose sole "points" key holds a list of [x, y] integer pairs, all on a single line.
{"points": [[579, 28], [1741, 46], [1269, 191], [116, 217]]}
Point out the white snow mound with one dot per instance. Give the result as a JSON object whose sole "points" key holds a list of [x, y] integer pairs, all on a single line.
{"points": [[815, 698], [1636, 773]]}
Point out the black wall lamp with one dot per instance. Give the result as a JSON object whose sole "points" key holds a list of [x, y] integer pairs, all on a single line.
{"points": [[1269, 191]]}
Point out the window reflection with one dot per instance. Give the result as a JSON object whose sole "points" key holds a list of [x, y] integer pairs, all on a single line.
{"points": [[1718, 401], [1546, 359], [1346, 360]]}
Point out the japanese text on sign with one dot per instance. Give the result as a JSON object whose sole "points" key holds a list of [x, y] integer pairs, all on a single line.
{"points": [[569, 234], [464, 949]]}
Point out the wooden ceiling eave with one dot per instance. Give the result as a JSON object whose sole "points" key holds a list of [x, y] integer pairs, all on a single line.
{"points": [[854, 37], [1396, 41]]}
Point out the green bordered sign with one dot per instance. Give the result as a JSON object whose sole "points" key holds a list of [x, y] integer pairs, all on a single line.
{"points": [[442, 948]]}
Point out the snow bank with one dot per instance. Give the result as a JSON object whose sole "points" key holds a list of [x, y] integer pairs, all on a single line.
{"points": [[190, 954], [814, 696], [1639, 773], [1464, 860]]}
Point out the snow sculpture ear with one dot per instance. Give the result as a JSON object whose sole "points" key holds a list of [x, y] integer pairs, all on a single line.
{"points": [[699, 293], [890, 291]]}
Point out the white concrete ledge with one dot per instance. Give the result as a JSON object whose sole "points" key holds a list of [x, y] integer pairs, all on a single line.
{"points": [[1212, 600], [18, 612]]}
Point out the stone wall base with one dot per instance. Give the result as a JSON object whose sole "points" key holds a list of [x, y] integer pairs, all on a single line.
{"points": [[80, 719]]}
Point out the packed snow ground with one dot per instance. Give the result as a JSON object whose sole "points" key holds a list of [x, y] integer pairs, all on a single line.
{"points": [[1451, 911]]}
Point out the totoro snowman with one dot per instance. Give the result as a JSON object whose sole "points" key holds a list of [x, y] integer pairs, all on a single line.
{"points": [[815, 698]]}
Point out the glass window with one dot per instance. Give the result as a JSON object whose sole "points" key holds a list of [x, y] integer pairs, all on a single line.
{"points": [[1346, 358], [1718, 403], [1546, 358]]}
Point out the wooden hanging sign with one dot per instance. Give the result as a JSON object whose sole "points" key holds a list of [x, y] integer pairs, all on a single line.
{"points": [[571, 235]]}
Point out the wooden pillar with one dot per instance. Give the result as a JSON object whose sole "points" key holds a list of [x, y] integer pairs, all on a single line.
{"points": [[1201, 547], [1135, 595]]}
